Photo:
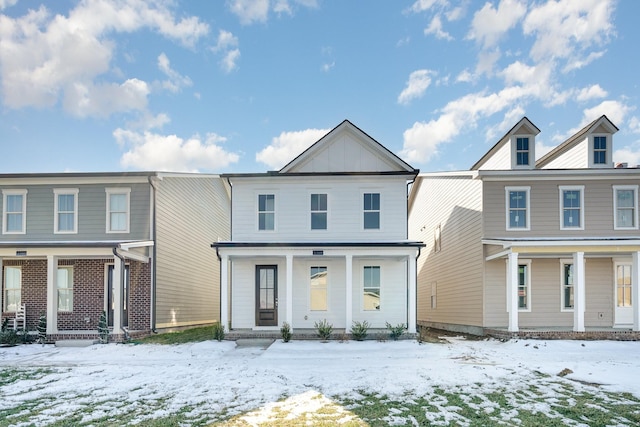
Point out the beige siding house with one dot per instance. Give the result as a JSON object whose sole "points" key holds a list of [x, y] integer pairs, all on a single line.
{"points": [[524, 246]]}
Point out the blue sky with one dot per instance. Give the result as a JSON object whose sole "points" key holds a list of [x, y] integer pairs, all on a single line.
{"points": [[245, 86]]}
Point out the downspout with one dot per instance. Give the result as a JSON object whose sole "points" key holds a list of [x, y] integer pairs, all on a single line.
{"points": [[153, 257], [122, 275]]}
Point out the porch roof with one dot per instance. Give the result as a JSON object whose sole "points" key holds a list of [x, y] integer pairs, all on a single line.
{"points": [[386, 244], [564, 246]]}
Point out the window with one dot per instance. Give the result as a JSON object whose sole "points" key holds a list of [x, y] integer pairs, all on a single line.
{"points": [[524, 291], [65, 288], [12, 288], [517, 202], [371, 211], [66, 210], [266, 211], [625, 202], [567, 286], [371, 281], [318, 276], [623, 285], [437, 239], [318, 211], [434, 291], [522, 151], [14, 215], [118, 210], [599, 150], [571, 208]]}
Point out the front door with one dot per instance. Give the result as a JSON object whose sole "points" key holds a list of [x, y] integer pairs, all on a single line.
{"points": [[125, 296], [622, 298], [266, 295]]}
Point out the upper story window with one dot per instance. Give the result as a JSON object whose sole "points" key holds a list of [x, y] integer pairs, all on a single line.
{"points": [[65, 210], [518, 212], [12, 288], [600, 150], [571, 207], [65, 288], [372, 211], [14, 211], [318, 288], [371, 287], [266, 212], [318, 211], [625, 207], [118, 210], [522, 151]]}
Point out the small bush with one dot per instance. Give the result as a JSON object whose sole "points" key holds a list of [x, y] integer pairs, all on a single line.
{"points": [[395, 332], [103, 328], [42, 329], [218, 331], [324, 329], [285, 331], [359, 330], [9, 337]]}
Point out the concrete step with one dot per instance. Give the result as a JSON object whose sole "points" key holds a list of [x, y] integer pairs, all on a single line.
{"points": [[75, 343]]}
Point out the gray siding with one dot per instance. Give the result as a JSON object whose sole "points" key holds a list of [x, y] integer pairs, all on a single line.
{"points": [[191, 213]]}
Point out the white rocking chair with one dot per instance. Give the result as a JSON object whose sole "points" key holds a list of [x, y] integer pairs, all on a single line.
{"points": [[20, 321]]}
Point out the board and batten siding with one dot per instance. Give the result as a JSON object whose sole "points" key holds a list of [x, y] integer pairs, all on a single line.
{"points": [[545, 208], [452, 202], [191, 213], [344, 215], [92, 213]]}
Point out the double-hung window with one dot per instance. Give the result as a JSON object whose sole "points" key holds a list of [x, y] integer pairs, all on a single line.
{"points": [[599, 150], [625, 207], [571, 207], [371, 288], [522, 151], [518, 212], [318, 211], [65, 288], [567, 285], [118, 210], [14, 211], [12, 288], [66, 210], [371, 211], [524, 287], [318, 288], [266, 212]]}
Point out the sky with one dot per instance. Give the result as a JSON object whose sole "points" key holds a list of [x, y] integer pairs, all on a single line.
{"points": [[234, 86], [219, 378]]}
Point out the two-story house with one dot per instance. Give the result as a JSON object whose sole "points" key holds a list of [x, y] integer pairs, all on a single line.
{"points": [[325, 237], [135, 245], [520, 245]]}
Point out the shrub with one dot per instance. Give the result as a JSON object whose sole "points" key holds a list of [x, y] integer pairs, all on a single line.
{"points": [[285, 331], [42, 329], [103, 328], [324, 329], [359, 330], [395, 332], [218, 331], [9, 337]]}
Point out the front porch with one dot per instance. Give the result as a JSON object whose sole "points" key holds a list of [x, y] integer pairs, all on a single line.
{"points": [[338, 334], [589, 334]]}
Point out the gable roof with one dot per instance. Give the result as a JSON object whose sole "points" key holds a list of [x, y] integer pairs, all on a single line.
{"points": [[349, 137], [601, 122], [524, 122]]}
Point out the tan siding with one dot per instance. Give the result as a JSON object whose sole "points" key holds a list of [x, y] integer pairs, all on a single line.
{"points": [[191, 214], [599, 285]]}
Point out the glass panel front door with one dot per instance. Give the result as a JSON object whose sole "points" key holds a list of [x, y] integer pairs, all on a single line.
{"points": [[623, 302], [266, 295]]}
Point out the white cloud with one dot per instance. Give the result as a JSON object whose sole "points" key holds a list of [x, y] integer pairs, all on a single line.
{"points": [[634, 124], [435, 28], [176, 81], [105, 99], [575, 63], [328, 66], [230, 60], [465, 76], [490, 24], [591, 92], [616, 111], [417, 84], [152, 151], [7, 3], [629, 155], [287, 146], [226, 40], [227, 44], [252, 11], [423, 5], [542, 149]]}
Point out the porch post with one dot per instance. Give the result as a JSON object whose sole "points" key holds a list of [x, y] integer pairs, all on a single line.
{"points": [[1, 291], [289, 294], [52, 295], [224, 292], [512, 291], [579, 292], [349, 292], [635, 290], [117, 295], [412, 296]]}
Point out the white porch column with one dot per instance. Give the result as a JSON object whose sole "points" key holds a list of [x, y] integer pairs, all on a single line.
{"points": [[1, 281], [52, 294], [116, 290], [224, 292], [412, 296], [349, 292], [635, 290], [579, 292], [289, 294], [512, 291]]}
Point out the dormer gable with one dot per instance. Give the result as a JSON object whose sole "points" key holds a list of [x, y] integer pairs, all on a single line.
{"points": [[347, 149], [515, 150], [591, 147]]}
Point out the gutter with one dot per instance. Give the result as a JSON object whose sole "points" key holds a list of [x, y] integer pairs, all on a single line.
{"points": [[152, 307]]}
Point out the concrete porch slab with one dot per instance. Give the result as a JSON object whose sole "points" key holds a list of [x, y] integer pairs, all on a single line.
{"points": [[75, 343]]}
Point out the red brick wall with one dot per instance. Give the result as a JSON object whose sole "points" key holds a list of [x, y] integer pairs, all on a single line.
{"points": [[34, 288], [139, 296], [88, 295]]}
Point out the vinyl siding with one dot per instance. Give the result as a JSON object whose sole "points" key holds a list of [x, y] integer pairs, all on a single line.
{"points": [[501, 160], [191, 213], [577, 157]]}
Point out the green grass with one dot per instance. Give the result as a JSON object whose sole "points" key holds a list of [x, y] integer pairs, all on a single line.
{"points": [[204, 333]]}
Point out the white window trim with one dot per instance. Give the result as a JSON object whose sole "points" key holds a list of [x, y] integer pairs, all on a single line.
{"points": [[309, 266], [118, 190], [256, 199], [4, 289], [526, 262], [434, 295], [507, 190], [362, 267], [6, 193], [561, 189], [608, 162], [70, 268], [326, 193], [362, 210], [563, 309], [64, 191], [514, 151], [615, 206]]}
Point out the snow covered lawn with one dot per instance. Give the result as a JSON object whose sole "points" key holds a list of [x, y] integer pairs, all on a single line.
{"points": [[355, 383]]}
